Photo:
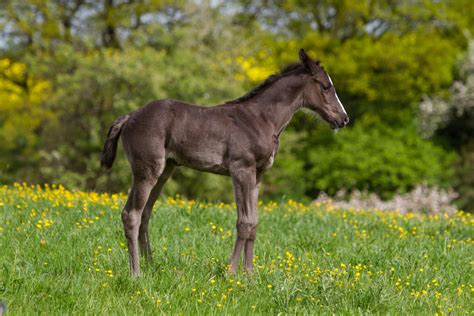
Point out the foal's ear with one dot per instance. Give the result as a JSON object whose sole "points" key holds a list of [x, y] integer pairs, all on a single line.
{"points": [[304, 59], [308, 62]]}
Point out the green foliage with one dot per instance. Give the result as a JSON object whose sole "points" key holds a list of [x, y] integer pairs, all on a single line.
{"points": [[391, 73], [378, 159], [21, 117], [451, 121], [81, 64]]}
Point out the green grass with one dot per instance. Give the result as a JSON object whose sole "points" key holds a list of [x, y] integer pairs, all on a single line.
{"points": [[64, 252]]}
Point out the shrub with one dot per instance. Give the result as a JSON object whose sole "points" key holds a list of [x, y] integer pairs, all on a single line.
{"points": [[379, 159]]}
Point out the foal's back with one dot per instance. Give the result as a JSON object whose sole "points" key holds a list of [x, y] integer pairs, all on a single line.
{"points": [[190, 135]]}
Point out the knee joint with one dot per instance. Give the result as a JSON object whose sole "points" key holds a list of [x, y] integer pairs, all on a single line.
{"points": [[130, 221], [247, 230]]}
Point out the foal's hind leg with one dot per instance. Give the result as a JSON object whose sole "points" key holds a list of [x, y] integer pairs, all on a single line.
{"points": [[132, 215], [145, 176], [143, 237]]}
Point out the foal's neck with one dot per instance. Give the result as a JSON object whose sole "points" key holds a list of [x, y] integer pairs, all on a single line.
{"points": [[279, 102]]}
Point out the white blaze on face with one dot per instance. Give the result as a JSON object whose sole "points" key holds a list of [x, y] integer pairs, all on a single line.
{"points": [[340, 104]]}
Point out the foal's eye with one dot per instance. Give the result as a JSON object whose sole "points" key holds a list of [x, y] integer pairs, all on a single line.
{"points": [[326, 89]]}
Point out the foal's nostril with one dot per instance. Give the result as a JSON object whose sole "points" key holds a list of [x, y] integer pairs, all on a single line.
{"points": [[346, 120]]}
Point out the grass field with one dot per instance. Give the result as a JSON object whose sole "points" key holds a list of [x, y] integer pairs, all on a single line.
{"points": [[64, 252]]}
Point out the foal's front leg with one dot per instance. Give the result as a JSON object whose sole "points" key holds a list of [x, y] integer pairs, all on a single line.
{"points": [[246, 196], [248, 252]]}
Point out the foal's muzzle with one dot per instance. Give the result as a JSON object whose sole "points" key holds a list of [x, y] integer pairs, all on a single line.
{"points": [[340, 123]]}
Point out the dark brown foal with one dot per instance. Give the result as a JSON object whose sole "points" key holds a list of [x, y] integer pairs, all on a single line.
{"points": [[238, 139]]}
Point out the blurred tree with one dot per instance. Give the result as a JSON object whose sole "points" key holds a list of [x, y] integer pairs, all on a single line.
{"points": [[82, 63], [21, 120], [451, 120], [30, 25], [382, 160]]}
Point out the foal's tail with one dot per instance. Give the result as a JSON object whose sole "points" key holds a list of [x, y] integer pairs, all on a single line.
{"points": [[110, 146]]}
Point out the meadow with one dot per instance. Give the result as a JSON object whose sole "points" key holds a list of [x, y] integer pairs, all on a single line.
{"points": [[64, 252]]}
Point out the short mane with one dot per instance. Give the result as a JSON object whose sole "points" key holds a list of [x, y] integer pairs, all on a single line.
{"points": [[287, 70]]}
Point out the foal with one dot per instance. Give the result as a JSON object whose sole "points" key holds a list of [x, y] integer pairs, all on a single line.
{"points": [[238, 139]]}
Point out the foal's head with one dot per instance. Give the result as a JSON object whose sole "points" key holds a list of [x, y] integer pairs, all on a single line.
{"points": [[320, 95]]}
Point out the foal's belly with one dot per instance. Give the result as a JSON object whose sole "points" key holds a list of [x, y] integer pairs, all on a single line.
{"points": [[208, 161]]}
